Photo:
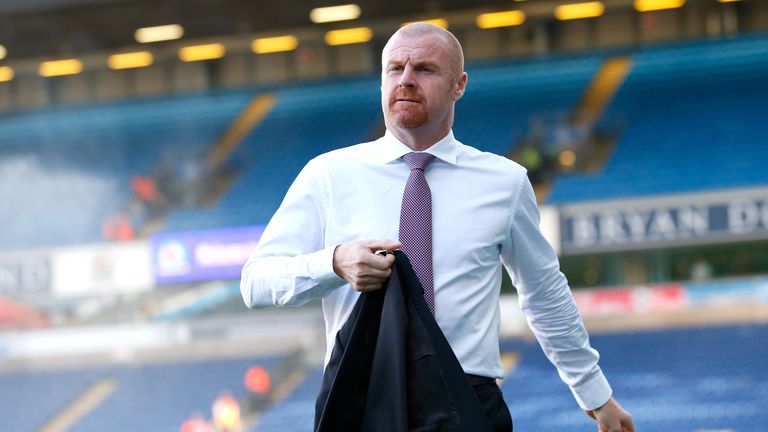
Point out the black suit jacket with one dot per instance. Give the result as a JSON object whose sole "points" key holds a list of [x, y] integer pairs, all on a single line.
{"points": [[392, 369]]}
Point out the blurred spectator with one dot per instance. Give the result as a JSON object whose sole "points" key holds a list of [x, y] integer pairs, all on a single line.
{"points": [[118, 228], [701, 270], [196, 423], [531, 160], [259, 384], [226, 413], [145, 188], [15, 315]]}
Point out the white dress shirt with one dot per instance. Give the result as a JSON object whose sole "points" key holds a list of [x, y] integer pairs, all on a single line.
{"points": [[484, 213]]}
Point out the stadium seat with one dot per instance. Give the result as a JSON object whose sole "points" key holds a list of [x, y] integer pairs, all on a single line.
{"points": [[714, 96]]}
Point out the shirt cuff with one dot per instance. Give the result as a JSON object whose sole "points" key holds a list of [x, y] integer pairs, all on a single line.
{"points": [[320, 268], [593, 393]]}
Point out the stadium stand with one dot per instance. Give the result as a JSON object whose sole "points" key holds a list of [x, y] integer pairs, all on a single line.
{"points": [[29, 399], [308, 121], [166, 394], [80, 159], [69, 168], [501, 99], [148, 397], [694, 379], [714, 96], [705, 378], [296, 412]]}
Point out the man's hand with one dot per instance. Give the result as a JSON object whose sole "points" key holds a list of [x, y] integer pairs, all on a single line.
{"points": [[611, 417], [357, 264]]}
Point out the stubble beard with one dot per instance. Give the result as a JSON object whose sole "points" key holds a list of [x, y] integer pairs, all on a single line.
{"points": [[410, 120]]}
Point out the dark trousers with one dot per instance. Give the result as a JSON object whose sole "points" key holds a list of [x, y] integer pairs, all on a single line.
{"points": [[492, 401]]}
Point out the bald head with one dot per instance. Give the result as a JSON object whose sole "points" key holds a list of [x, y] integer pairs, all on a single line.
{"points": [[422, 30], [422, 77]]}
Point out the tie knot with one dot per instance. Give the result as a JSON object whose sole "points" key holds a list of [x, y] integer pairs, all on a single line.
{"points": [[418, 161]]}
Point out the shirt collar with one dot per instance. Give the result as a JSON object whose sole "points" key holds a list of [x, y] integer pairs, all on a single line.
{"points": [[391, 149]]}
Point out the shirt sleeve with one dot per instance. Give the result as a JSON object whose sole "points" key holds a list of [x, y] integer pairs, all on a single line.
{"points": [[290, 264], [548, 304]]}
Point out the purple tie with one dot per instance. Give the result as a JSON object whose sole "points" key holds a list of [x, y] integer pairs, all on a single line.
{"points": [[416, 223]]}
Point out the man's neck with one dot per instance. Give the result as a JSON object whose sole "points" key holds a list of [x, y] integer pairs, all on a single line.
{"points": [[416, 139]]}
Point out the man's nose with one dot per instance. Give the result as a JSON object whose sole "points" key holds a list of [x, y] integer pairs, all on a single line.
{"points": [[406, 78]]}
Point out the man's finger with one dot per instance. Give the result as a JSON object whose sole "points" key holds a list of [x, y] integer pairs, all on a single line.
{"points": [[628, 425], [368, 270], [378, 262], [374, 275], [368, 286], [381, 244]]}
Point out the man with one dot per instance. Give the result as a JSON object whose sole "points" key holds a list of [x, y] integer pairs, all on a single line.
{"points": [[321, 242]]}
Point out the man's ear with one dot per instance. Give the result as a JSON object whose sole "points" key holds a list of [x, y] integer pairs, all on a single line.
{"points": [[461, 85]]}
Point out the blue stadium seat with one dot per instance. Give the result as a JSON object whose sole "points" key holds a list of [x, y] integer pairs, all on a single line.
{"points": [[704, 378], [707, 378], [296, 413], [501, 100], [306, 121], [64, 171], [159, 397], [150, 397], [694, 121], [29, 399]]}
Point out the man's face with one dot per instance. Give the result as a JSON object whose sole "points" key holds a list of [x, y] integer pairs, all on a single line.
{"points": [[419, 82]]}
